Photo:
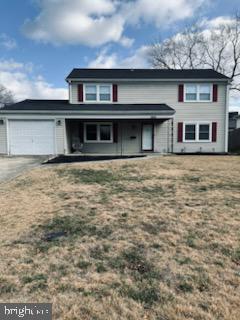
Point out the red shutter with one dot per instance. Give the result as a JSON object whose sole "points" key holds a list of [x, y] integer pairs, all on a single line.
{"points": [[115, 132], [214, 131], [115, 92], [215, 93], [180, 131], [180, 92], [80, 92]]}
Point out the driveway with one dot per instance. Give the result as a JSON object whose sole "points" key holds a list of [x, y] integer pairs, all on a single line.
{"points": [[11, 167]]}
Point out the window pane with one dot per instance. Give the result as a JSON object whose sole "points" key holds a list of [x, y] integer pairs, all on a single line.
{"points": [[91, 132], [191, 96], [191, 92], [204, 92], [190, 132], [91, 92], [204, 96], [204, 132], [105, 93], [105, 132]]}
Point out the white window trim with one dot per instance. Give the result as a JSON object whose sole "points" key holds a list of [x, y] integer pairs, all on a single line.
{"points": [[198, 92], [98, 92], [98, 132], [197, 124]]}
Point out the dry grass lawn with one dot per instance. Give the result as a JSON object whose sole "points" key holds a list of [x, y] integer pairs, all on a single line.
{"points": [[151, 239]]}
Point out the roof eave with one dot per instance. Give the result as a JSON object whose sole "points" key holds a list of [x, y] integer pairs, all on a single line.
{"points": [[69, 80]]}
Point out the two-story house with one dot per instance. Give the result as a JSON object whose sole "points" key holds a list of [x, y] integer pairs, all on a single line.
{"points": [[123, 111]]}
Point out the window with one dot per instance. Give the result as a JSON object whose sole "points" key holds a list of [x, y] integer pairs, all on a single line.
{"points": [[98, 132], [198, 92], [197, 132], [105, 132], [91, 132], [191, 92], [204, 92], [90, 92], [98, 93], [204, 132], [190, 132], [105, 93]]}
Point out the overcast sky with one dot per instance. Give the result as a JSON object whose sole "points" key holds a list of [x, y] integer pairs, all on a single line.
{"points": [[42, 40]]}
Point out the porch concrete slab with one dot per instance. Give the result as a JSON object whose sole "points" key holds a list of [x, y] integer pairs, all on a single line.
{"points": [[11, 167]]}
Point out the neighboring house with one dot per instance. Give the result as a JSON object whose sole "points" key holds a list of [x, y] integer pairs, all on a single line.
{"points": [[123, 111], [232, 123], [238, 122]]}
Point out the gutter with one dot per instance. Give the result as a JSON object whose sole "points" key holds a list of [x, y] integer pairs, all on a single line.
{"points": [[69, 80], [87, 112]]}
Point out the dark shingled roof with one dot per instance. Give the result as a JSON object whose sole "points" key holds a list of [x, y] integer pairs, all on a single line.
{"points": [[147, 74], [64, 105]]}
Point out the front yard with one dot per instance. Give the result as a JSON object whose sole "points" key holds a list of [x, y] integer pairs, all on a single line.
{"points": [[135, 239]]}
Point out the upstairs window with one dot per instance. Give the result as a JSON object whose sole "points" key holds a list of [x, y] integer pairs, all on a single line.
{"points": [[191, 92], [198, 92], [90, 92], [204, 92], [105, 93], [98, 93]]}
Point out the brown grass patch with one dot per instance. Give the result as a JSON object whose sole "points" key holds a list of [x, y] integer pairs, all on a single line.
{"points": [[136, 239]]}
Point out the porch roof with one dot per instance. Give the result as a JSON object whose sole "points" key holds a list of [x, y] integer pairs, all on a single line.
{"points": [[93, 109]]}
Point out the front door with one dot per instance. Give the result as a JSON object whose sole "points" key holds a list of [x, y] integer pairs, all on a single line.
{"points": [[147, 137]]}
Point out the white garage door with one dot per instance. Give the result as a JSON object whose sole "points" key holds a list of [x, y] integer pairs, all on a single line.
{"points": [[31, 137]]}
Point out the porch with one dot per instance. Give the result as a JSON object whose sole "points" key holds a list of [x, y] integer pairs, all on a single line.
{"points": [[118, 137]]}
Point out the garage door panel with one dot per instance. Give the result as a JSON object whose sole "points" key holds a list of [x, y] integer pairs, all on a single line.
{"points": [[31, 137]]}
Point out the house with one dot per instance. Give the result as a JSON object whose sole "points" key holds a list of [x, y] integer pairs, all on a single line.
{"points": [[123, 111], [232, 120]]}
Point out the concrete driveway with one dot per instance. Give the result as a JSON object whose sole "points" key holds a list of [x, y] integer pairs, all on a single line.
{"points": [[11, 167]]}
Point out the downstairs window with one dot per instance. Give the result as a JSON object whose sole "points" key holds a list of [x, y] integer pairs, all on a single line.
{"points": [[98, 132]]}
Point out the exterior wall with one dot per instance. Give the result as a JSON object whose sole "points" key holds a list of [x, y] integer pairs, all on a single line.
{"points": [[3, 137], [125, 144], [160, 92]]}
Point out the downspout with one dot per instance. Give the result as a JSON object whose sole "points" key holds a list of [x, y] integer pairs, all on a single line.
{"points": [[172, 135], [226, 118], [121, 139]]}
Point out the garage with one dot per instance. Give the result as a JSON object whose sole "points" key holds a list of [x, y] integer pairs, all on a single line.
{"points": [[31, 137]]}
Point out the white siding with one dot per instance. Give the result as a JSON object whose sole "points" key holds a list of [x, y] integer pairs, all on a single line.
{"points": [[3, 137], [60, 136]]}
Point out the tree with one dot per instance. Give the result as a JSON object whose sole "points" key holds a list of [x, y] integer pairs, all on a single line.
{"points": [[216, 47], [6, 96]]}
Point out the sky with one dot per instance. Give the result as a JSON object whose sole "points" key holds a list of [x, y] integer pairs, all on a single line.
{"points": [[42, 40]]}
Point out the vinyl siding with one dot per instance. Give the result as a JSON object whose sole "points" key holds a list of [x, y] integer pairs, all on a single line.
{"points": [[159, 92], [60, 137], [3, 137]]}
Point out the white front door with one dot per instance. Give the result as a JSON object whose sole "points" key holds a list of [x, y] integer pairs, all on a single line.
{"points": [[147, 137], [31, 137]]}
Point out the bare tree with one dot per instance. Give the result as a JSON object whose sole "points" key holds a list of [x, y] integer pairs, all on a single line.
{"points": [[6, 96], [215, 47]]}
